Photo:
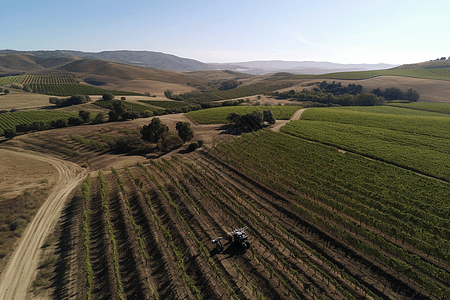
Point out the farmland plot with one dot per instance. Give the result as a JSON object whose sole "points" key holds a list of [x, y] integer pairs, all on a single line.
{"points": [[150, 231], [313, 233]]}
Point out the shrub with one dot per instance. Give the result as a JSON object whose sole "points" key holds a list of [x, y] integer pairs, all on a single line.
{"points": [[123, 98], [16, 86], [170, 141], [108, 96], [9, 133], [85, 115], [6, 91], [193, 146], [74, 121]]}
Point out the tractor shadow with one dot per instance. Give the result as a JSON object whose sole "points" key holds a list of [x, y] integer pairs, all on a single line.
{"points": [[230, 250]]}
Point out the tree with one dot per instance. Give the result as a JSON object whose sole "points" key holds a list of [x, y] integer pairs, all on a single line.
{"points": [[108, 96], [184, 131], [9, 133], [1, 90], [85, 115], [168, 94], [117, 111], [154, 131], [411, 95], [269, 117]]}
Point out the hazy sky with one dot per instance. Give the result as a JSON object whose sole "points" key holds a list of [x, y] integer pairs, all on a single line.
{"points": [[349, 31]]}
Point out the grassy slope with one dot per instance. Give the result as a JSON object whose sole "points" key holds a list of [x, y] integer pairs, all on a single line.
{"points": [[439, 74]]}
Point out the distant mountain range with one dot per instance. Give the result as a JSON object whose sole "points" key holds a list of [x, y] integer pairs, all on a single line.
{"points": [[158, 60]]}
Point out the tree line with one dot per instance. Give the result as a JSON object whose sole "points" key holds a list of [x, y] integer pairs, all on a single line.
{"points": [[352, 94]]}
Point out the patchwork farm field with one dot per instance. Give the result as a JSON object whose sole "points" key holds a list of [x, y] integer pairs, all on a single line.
{"points": [[321, 224]]}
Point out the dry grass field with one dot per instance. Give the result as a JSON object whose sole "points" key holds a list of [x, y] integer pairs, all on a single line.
{"points": [[19, 100]]}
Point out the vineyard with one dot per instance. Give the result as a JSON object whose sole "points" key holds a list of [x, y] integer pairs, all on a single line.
{"points": [[165, 104], [434, 107], [9, 120], [219, 115], [58, 85], [38, 79], [322, 225], [439, 74], [408, 138]]}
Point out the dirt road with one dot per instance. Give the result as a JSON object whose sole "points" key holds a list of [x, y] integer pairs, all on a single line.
{"points": [[21, 269], [280, 123]]}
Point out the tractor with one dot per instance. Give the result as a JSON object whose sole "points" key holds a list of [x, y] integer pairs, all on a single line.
{"points": [[239, 237]]}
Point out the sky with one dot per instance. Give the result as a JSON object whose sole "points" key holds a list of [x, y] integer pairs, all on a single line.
{"points": [[348, 31]]}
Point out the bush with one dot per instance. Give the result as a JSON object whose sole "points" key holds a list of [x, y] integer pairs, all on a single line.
{"points": [[108, 96], [74, 121], [147, 114], [6, 91], [59, 123], [16, 86], [85, 115], [125, 143], [170, 141], [9, 133], [101, 118], [123, 98], [184, 131], [193, 146]]}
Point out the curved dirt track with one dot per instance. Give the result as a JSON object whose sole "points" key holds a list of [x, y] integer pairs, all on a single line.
{"points": [[21, 268]]}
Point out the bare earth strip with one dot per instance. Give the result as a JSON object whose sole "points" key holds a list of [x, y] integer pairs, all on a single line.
{"points": [[22, 266], [280, 123]]}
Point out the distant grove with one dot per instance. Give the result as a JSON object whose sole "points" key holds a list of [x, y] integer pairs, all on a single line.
{"points": [[336, 93]]}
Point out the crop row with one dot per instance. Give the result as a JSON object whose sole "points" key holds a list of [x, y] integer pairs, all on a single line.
{"points": [[219, 115], [417, 143], [74, 89], [87, 269], [227, 207], [241, 210], [165, 104], [425, 106], [9, 120], [105, 206], [38, 79], [338, 176]]}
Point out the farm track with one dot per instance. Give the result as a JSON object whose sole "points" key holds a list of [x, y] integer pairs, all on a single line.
{"points": [[19, 273]]}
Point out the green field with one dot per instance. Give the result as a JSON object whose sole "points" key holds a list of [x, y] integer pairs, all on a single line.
{"points": [[165, 104], [59, 85], [74, 89], [433, 107], [219, 115], [441, 74], [373, 206], [11, 119], [416, 140], [129, 106], [38, 79]]}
